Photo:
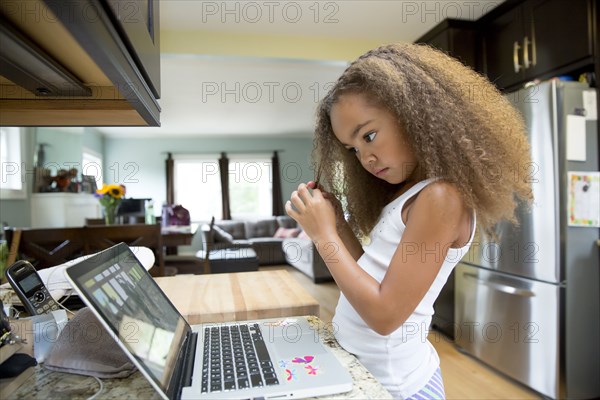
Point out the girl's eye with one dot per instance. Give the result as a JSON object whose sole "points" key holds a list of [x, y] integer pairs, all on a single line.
{"points": [[352, 150], [369, 137]]}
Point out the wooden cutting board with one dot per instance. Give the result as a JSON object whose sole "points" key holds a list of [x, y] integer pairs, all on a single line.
{"points": [[238, 296]]}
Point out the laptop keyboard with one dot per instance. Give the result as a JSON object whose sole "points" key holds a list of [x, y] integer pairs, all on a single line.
{"points": [[235, 357]]}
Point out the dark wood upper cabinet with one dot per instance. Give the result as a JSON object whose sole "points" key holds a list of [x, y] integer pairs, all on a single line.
{"points": [[502, 49], [573, 39], [536, 39], [138, 24], [79, 63], [455, 37]]}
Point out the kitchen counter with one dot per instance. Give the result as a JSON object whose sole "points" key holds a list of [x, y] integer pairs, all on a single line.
{"points": [[45, 384]]}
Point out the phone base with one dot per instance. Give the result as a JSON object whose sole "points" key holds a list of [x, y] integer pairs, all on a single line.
{"points": [[40, 332]]}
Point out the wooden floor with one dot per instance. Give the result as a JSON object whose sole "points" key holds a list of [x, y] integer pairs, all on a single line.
{"points": [[464, 376]]}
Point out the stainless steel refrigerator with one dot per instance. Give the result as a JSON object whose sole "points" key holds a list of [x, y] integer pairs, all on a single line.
{"points": [[528, 304]]}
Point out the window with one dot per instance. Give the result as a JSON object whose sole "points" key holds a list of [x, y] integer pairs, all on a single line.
{"points": [[250, 186], [91, 164], [11, 162], [198, 186]]}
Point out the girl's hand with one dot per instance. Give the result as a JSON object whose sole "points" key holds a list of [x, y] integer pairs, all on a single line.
{"points": [[312, 211], [337, 205]]}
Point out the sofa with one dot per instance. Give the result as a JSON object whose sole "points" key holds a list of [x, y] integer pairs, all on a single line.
{"points": [[301, 253], [265, 236], [274, 240]]}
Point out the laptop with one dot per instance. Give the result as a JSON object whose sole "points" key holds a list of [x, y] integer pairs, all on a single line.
{"points": [[271, 358]]}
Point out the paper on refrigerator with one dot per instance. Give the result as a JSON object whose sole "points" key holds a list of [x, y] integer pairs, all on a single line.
{"points": [[584, 199]]}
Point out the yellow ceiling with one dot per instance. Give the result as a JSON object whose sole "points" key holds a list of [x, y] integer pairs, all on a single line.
{"points": [[263, 45]]}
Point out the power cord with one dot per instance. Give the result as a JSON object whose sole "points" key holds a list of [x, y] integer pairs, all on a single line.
{"points": [[64, 299], [81, 386], [61, 305], [99, 390], [13, 311]]}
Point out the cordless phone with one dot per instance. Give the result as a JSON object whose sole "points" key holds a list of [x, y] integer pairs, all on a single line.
{"points": [[28, 285]]}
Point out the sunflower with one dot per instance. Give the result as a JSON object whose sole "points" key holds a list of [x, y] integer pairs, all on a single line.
{"points": [[113, 190], [116, 191]]}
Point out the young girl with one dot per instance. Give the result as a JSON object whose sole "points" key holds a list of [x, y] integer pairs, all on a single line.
{"points": [[416, 145]]}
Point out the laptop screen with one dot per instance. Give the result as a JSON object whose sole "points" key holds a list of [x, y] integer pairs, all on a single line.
{"points": [[136, 309]]}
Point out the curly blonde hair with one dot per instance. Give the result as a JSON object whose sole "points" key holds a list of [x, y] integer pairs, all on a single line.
{"points": [[459, 126]]}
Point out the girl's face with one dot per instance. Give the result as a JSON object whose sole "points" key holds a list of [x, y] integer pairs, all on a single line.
{"points": [[373, 135]]}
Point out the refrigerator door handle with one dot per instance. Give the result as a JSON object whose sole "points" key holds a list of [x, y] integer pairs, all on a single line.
{"points": [[500, 286]]}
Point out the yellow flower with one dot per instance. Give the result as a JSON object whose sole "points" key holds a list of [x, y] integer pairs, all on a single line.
{"points": [[116, 191], [103, 189], [113, 190]]}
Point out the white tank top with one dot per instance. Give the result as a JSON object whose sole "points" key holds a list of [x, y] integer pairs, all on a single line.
{"points": [[404, 360]]}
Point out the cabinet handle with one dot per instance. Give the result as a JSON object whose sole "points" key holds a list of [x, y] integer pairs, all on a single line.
{"points": [[532, 43], [526, 62], [533, 51], [516, 64], [526, 44]]}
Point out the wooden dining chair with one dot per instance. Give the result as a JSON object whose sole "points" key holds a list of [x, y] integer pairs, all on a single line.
{"points": [[196, 263], [48, 247], [207, 246]]}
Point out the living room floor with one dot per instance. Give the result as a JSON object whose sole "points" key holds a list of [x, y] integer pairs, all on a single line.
{"points": [[464, 376]]}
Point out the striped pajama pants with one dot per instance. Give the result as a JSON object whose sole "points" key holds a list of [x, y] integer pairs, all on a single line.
{"points": [[434, 390]]}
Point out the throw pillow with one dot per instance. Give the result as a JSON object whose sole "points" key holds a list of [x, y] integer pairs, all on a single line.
{"points": [[284, 233], [221, 236]]}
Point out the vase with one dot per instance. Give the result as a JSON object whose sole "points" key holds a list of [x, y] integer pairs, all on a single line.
{"points": [[110, 215]]}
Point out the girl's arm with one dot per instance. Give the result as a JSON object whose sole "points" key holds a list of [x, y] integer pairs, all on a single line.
{"points": [[436, 218], [350, 241]]}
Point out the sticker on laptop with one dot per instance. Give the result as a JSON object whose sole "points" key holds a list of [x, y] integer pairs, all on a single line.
{"points": [[306, 364], [311, 370], [303, 360], [290, 375]]}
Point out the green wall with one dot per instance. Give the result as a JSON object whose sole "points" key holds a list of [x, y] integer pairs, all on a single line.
{"points": [[93, 140], [65, 146], [62, 148]]}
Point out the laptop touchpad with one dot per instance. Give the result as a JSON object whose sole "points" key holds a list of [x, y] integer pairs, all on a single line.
{"points": [[289, 347]]}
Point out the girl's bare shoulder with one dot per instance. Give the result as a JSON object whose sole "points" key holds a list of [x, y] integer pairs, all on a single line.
{"points": [[440, 198], [441, 191]]}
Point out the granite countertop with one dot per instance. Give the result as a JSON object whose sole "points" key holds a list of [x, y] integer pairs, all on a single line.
{"points": [[46, 384], [364, 384]]}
